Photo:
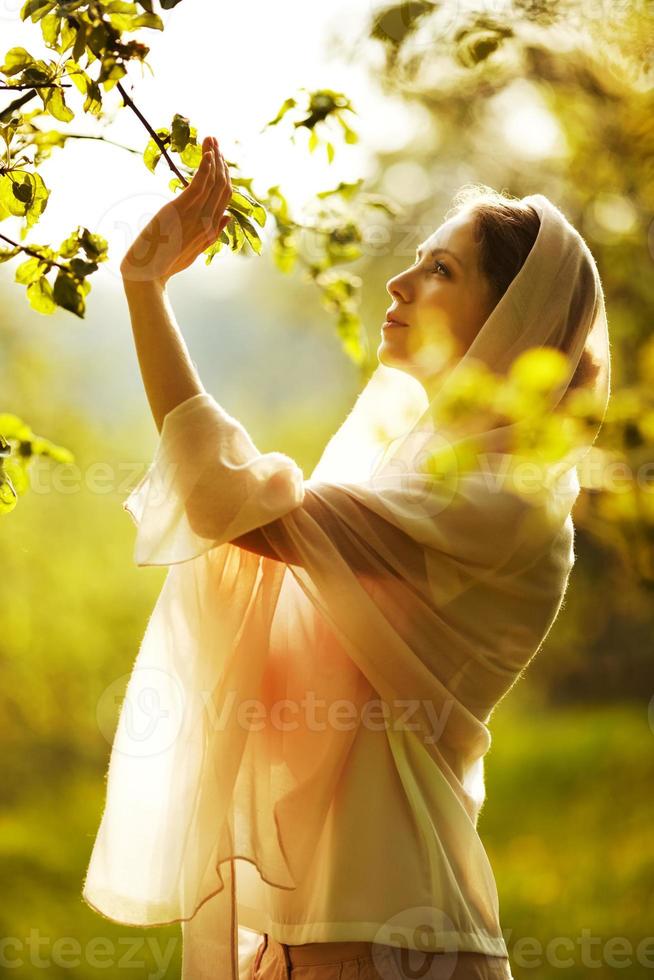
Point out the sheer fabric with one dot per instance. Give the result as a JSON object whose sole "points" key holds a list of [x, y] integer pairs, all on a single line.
{"points": [[380, 582]]}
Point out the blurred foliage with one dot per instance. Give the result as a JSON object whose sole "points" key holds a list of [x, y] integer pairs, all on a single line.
{"points": [[584, 71], [318, 110], [566, 897]]}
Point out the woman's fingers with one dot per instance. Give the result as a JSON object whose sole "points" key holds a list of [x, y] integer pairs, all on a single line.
{"points": [[207, 195], [222, 191]]}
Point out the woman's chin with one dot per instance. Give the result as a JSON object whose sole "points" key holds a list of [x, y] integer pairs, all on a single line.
{"points": [[394, 359], [392, 355]]}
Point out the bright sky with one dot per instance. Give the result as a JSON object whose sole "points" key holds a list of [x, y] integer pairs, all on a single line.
{"points": [[228, 67]]}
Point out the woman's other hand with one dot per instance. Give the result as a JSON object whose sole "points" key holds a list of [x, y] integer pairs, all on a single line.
{"points": [[185, 226]]}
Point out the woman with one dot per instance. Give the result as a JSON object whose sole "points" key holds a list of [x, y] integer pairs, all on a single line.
{"points": [[325, 654]]}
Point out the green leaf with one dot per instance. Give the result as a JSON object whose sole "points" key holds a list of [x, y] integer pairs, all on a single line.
{"points": [[249, 231], [17, 192], [55, 104], [350, 135], [241, 202], [284, 253], [132, 20], [36, 9], [68, 294], [80, 268], [111, 72], [31, 270], [330, 151], [192, 155], [70, 246], [152, 152], [343, 189], [94, 245], [79, 48], [8, 132], [50, 27], [39, 294], [77, 75], [13, 427], [67, 36], [24, 194], [93, 100], [181, 132], [152, 155], [121, 7], [16, 60], [152, 21], [288, 104]]}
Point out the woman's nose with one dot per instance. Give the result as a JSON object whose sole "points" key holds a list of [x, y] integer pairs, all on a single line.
{"points": [[396, 288], [403, 283]]}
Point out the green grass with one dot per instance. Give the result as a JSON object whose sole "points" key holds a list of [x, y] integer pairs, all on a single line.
{"points": [[568, 827]]}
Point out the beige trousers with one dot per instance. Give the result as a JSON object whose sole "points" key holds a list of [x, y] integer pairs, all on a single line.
{"points": [[367, 961]]}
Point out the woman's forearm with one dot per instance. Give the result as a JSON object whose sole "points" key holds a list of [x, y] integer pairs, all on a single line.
{"points": [[169, 375]]}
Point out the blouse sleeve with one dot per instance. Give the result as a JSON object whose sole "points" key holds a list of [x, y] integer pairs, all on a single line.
{"points": [[207, 484]]}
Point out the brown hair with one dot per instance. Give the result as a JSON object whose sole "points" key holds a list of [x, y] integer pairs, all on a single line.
{"points": [[505, 231]]}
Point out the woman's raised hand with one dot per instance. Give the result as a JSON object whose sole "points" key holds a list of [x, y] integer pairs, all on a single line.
{"points": [[185, 226]]}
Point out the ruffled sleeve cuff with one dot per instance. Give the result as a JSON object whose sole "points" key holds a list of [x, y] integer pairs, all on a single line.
{"points": [[208, 483]]}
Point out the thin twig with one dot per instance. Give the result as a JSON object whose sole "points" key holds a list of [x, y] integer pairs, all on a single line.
{"points": [[128, 101], [41, 85], [84, 136], [29, 251]]}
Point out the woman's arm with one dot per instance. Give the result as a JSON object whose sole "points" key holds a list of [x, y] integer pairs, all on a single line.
{"points": [[169, 375], [169, 243]]}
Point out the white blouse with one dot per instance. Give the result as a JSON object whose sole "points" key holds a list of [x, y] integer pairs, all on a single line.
{"points": [[337, 822]]}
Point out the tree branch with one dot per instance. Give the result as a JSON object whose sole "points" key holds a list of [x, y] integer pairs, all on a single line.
{"points": [[85, 136], [30, 251], [16, 104], [40, 85], [128, 101]]}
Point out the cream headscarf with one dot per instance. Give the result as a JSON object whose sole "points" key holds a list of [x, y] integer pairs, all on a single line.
{"points": [[414, 583]]}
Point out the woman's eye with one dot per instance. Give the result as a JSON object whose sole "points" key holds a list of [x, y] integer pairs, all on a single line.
{"points": [[439, 265]]}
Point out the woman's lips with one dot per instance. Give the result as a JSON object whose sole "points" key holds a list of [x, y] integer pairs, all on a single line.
{"points": [[393, 323]]}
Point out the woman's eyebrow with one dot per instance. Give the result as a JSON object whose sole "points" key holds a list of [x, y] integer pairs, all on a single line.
{"points": [[435, 251]]}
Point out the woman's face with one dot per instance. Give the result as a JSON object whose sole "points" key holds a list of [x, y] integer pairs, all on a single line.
{"points": [[442, 298]]}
